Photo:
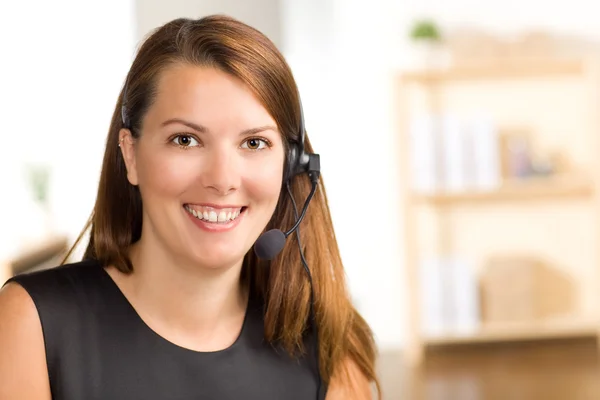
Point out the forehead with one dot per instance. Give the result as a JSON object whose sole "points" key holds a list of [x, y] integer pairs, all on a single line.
{"points": [[206, 95]]}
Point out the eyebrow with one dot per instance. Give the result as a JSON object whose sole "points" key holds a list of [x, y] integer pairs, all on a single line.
{"points": [[203, 129]]}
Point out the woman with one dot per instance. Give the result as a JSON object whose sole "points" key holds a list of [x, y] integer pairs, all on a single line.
{"points": [[170, 302]]}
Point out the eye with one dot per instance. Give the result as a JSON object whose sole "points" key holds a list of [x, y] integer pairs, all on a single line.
{"points": [[255, 144], [185, 141]]}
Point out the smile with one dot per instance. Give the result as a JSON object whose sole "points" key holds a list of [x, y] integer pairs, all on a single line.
{"points": [[214, 215]]}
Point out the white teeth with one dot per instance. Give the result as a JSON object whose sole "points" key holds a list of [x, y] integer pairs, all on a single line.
{"points": [[214, 215]]}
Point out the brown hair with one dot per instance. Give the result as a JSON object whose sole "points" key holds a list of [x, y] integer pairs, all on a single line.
{"points": [[231, 46]]}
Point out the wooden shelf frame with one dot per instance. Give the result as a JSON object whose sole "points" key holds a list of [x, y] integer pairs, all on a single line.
{"points": [[513, 70], [519, 333], [530, 189]]}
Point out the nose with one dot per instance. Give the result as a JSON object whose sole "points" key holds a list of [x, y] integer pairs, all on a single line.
{"points": [[221, 173]]}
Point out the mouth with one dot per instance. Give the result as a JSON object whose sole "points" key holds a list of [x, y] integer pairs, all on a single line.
{"points": [[214, 215]]}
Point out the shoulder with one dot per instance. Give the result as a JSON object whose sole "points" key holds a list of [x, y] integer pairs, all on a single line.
{"points": [[56, 291], [31, 305], [23, 370], [60, 272], [58, 280]]}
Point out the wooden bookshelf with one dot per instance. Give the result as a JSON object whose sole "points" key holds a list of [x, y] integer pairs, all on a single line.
{"points": [[572, 198]]}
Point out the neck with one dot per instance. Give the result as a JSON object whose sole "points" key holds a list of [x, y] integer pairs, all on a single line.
{"points": [[195, 306]]}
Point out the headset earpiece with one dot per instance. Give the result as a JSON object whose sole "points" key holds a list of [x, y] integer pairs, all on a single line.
{"points": [[297, 159], [124, 116], [291, 162]]}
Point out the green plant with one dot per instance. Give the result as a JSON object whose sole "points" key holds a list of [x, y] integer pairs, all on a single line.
{"points": [[39, 180], [425, 30]]}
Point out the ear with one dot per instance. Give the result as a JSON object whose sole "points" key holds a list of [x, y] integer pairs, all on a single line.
{"points": [[127, 146]]}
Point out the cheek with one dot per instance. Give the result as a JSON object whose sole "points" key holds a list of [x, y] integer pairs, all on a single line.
{"points": [[263, 180], [163, 175]]}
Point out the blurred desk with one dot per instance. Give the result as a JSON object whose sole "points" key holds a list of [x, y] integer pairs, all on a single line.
{"points": [[34, 256]]}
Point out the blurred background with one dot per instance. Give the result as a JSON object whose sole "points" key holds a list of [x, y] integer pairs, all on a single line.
{"points": [[466, 132]]}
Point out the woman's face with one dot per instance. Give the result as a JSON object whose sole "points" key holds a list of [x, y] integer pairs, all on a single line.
{"points": [[209, 166]]}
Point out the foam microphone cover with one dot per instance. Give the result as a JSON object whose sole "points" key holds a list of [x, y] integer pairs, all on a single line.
{"points": [[269, 244]]}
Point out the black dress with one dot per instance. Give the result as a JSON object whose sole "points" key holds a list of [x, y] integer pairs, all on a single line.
{"points": [[97, 347]]}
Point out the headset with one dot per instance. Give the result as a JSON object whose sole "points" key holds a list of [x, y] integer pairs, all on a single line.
{"points": [[270, 243], [299, 162]]}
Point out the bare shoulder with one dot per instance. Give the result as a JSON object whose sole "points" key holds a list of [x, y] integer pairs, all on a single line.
{"points": [[349, 383], [23, 370]]}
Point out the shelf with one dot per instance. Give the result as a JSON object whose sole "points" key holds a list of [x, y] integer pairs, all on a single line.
{"points": [[516, 190], [520, 332], [446, 222], [32, 256], [37, 253], [500, 70]]}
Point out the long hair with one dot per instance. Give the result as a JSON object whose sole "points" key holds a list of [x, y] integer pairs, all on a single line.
{"points": [[116, 221]]}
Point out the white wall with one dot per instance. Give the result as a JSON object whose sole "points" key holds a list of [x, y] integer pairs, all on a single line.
{"points": [[60, 74], [262, 14], [575, 16]]}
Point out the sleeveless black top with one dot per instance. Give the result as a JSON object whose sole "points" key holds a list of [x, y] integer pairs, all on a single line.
{"points": [[97, 347]]}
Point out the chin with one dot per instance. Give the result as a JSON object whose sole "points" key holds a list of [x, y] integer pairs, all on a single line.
{"points": [[217, 260]]}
